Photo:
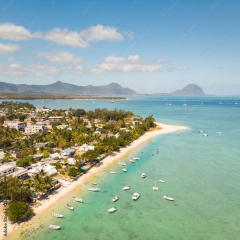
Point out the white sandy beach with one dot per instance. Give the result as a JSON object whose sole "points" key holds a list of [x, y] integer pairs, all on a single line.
{"points": [[47, 204]]}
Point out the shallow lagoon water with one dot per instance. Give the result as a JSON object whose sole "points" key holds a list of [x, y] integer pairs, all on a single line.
{"points": [[200, 173]]}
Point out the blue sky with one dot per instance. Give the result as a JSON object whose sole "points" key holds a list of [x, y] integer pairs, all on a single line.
{"points": [[149, 46]]}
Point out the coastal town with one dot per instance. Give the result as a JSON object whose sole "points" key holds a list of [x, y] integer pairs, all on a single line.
{"points": [[44, 150]]}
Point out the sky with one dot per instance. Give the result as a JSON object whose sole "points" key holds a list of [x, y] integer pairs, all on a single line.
{"points": [[149, 46]]}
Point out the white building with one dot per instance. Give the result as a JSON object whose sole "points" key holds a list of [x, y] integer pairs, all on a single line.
{"points": [[14, 124], [35, 128], [50, 170]]}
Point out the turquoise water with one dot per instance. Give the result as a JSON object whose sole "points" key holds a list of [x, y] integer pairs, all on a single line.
{"points": [[200, 173]]}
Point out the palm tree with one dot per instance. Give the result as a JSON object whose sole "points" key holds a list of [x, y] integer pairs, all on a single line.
{"points": [[48, 181]]}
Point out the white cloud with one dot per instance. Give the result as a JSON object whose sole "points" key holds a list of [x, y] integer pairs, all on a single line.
{"points": [[114, 59], [129, 34], [100, 33], [9, 31], [19, 70], [8, 48], [66, 37], [182, 68], [79, 69], [58, 56], [122, 65], [40, 69], [135, 58]]}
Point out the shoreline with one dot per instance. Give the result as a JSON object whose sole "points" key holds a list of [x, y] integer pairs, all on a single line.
{"points": [[47, 204]]}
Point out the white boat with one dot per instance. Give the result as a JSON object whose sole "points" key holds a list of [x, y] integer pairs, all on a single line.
{"points": [[169, 104], [143, 175], [134, 158], [57, 215], [168, 198], [69, 207], [184, 104], [126, 188], [113, 172], [78, 199], [161, 181], [93, 183], [205, 135], [122, 164], [140, 151], [115, 199], [135, 196], [112, 101], [111, 210], [236, 102], [219, 133], [54, 227], [125, 170], [132, 161], [93, 189], [155, 188]]}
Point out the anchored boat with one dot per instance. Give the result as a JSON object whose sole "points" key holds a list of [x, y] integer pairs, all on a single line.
{"points": [[69, 207], [78, 199], [168, 198], [57, 215], [93, 189], [54, 227], [111, 210]]}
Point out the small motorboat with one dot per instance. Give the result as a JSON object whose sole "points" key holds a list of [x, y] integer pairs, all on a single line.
{"points": [[57, 215], [219, 133], [135, 158], [115, 199], [135, 196], [122, 164], [125, 170], [94, 189], [78, 199], [161, 181], [168, 198], [113, 172], [111, 210], [93, 183], [132, 161], [140, 151], [54, 227], [69, 207], [126, 188], [143, 175], [205, 135]]}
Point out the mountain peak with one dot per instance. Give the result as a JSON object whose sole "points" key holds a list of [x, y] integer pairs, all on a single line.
{"points": [[190, 90]]}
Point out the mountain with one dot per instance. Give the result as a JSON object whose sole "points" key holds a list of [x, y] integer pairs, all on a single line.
{"points": [[61, 88], [190, 90]]}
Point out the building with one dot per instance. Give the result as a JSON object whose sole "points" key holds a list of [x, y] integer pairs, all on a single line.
{"points": [[8, 168], [63, 126], [15, 153], [50, 170], [57, 118], [14, 124], [67, 151], [35, 128], [1, 155], [39, 145], [21, 173]]}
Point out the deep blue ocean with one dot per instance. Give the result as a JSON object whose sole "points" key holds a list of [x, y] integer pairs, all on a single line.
{"points": [[201, 173]]}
